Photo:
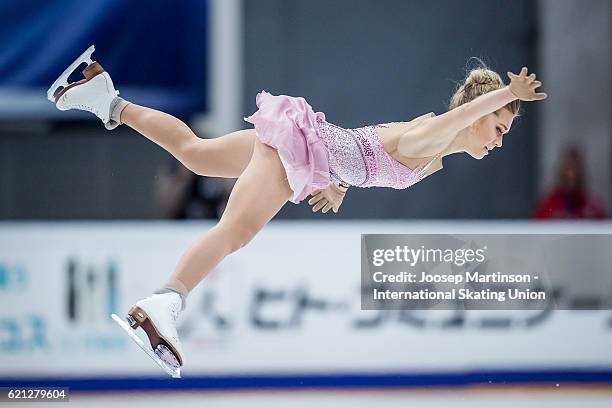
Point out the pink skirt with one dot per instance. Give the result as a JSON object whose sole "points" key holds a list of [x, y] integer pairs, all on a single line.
{"points": [[289, 125]]}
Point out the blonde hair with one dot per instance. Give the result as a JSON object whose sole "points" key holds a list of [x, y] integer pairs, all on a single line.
{"points": [[479, 81]]}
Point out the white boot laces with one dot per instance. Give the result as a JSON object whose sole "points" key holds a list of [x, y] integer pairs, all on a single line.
{"points": [[174, 311], [80, 106]]}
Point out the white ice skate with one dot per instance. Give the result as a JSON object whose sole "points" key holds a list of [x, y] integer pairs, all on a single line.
{"points": [[94, 93], [157, 316]]}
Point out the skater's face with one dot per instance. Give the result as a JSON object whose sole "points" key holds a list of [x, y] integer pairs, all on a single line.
{"points": [[487, 133]]}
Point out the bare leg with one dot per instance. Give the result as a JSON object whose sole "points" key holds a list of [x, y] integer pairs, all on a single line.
{"points": [[259, 193], [225, 156]]}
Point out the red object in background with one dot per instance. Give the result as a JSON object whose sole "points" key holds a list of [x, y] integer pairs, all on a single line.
{"points": [[570, 198], [559, 204]]}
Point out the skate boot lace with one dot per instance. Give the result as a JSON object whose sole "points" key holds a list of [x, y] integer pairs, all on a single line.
{"points": [[87, 108], [81, 106], [174, 311]]}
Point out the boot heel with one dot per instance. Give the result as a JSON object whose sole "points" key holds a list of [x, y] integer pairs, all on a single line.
{"points": [[92, 70], [136, 317]]}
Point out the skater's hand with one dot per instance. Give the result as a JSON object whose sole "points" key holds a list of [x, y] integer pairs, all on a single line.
{"points": [[328, 198], [523, 86]]}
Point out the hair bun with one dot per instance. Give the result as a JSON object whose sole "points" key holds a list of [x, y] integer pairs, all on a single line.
{"points": [[478, 81], [482, 76]]}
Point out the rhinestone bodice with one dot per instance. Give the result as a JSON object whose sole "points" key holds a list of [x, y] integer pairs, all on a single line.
{"points": [[357, 157]]}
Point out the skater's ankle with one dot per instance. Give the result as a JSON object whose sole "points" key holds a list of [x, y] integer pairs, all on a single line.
{"points": [[116, 108], [176, 286], [161, 291]]}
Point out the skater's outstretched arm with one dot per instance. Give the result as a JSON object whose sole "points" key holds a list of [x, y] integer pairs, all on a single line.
{"points": [[437, 132]]}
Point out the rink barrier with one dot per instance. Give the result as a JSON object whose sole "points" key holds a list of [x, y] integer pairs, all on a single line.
{"points": [[555, 378]]}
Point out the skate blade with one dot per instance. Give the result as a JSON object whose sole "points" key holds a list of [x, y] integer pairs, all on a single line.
{"points": [[167, 356], [172, 370], [62, 80]]}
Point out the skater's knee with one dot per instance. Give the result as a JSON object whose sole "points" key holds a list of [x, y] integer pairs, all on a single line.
{"points": [[192, 153], [237, 236]]}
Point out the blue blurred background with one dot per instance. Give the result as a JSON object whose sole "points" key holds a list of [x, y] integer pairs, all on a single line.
{"points": [[159, 53]]}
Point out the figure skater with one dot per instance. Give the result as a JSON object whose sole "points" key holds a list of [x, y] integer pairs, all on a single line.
{"points": [[292, 152]]}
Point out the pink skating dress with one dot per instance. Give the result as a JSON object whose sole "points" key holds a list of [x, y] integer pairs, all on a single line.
{"points": [[316, 153]]}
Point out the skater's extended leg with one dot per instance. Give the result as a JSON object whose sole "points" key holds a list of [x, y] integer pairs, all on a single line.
{"points": [[224, 156], [259, 193]]}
